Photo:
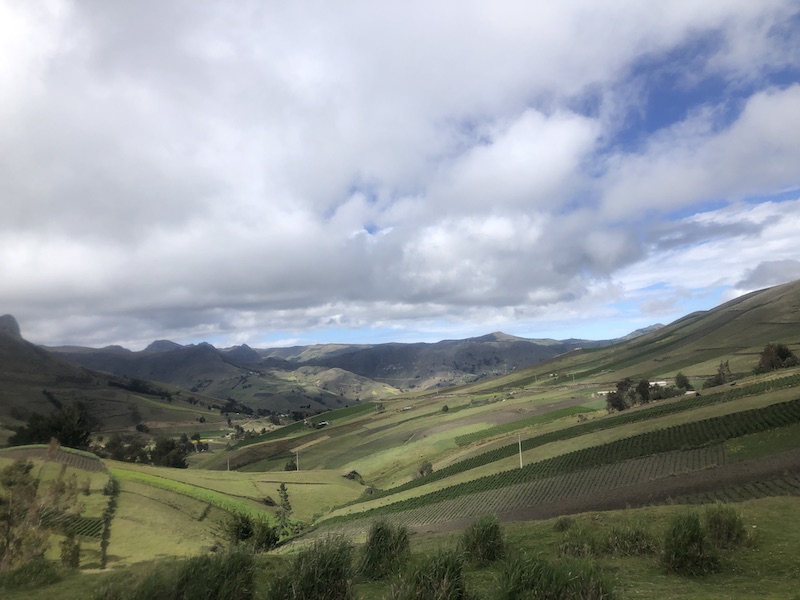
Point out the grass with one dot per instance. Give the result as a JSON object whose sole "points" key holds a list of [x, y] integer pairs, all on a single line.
{"points": [[765, 443], [764, 568], [483, 542]]}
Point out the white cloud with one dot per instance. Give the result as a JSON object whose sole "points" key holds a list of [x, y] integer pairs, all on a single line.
{"points": [[180, 170]]}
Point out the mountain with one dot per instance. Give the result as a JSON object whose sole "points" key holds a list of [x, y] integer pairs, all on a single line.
{"points": [[34, 379], [282, 379], [161, 346]]}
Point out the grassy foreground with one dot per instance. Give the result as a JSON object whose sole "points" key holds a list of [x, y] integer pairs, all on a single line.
{"points": [[764, 566]]}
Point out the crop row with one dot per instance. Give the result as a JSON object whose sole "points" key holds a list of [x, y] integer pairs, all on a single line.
{"points": [[787, 485], [208, 496], [88, 527], [554, 489], [644, 414], [77, 459], [463, 440], [695, 434]]}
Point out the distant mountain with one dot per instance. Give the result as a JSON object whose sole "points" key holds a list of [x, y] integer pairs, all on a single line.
{"points": [[161, 346], [284, 378], [640, 332]]}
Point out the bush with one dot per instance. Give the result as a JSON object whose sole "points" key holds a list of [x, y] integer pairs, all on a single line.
{"points": [[482, 542], [526, 578], [322, 572], [439, 577], [725, 526], [255, 534], [686, 549], [563, 523], [387, 549]]}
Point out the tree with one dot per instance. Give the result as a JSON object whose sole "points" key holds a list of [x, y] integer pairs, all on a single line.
{"points": [[71, 425], [682, 382], [775, 356], [169, 453], [426, 468], [643, 391], [21, 536], [127, 447], [284, 508], [24, 512], [723, 376], [70, 551]]}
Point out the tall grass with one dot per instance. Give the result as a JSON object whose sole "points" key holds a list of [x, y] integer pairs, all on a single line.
{"points": [[322, 572], [687, 551], [222, 577], [483, 542], [524, 578], [386, 551], [725, 526], [438, 577]]}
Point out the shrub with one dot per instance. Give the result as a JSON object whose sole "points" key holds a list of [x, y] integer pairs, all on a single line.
{"points": [[686, 549], [386, 550], [439, 577], [529, 578], [256, 534], [632, 540], [563, 523], [322, 572], [725, 526], [482, 542]]}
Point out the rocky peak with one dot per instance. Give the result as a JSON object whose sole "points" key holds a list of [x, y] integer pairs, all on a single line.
{"points": [[9, 326]]}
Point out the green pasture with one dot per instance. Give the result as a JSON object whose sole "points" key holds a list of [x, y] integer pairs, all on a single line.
{"points": [[311, 492], [154, 523]]}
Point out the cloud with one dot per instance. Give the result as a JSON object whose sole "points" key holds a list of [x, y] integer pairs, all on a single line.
{"points": [[197, 169], [768, 273]]}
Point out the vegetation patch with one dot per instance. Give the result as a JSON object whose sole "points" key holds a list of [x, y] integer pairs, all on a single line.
{"points": [[483, 542], [386, 550], [218, 499], [687, 550], [227, 576], [322, 572], [523, 578]]}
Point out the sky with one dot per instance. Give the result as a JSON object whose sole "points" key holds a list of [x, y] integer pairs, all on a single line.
{"points": [[285, 173]]}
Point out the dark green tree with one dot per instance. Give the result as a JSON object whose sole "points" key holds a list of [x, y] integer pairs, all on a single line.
{"points": [[71, 425], [284, 508], [682, 382], [643, 391], [775, 356]]}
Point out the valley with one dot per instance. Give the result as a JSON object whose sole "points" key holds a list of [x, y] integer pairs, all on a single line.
{"points": [[539, 446]]}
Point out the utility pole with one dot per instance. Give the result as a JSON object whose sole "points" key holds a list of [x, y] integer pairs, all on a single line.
{"points": [[297, 459], [229, 463], [519, 441]]}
